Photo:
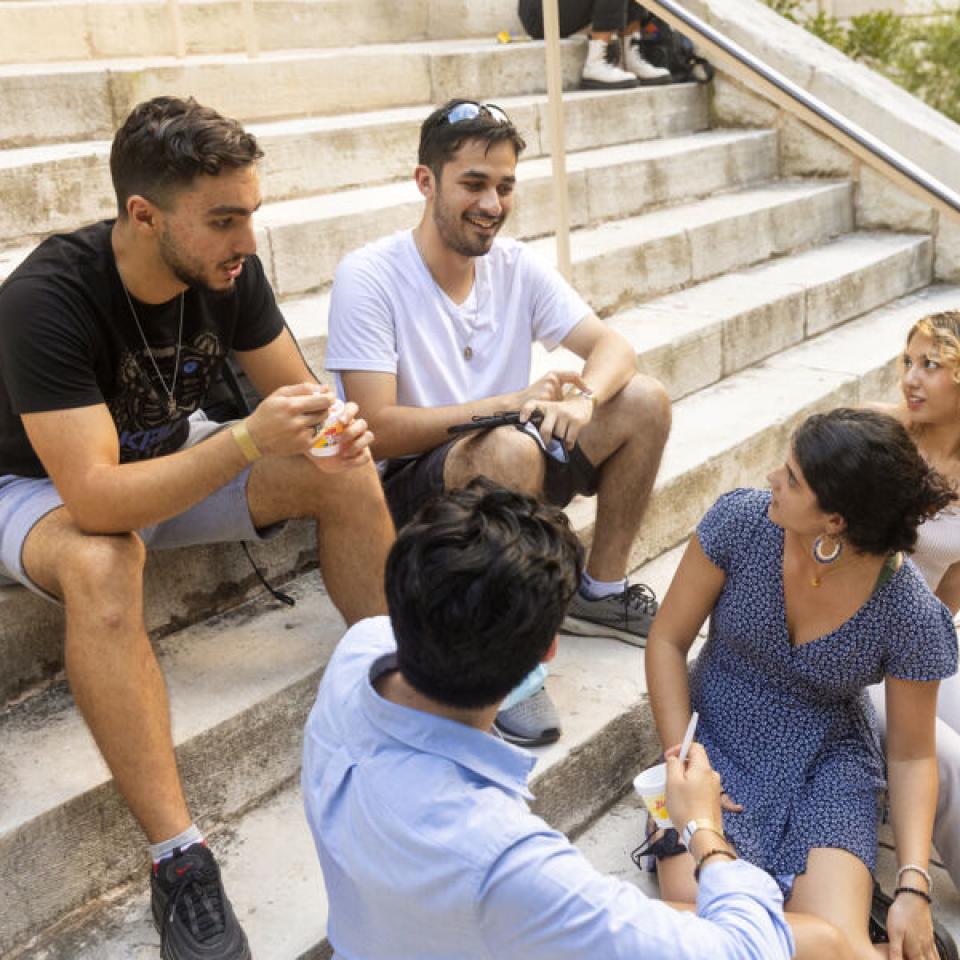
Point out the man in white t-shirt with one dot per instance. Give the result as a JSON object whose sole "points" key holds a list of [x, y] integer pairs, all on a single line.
{"points": [[432, 327]]}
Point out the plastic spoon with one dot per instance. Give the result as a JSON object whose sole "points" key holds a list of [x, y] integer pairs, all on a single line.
{"points": [[688, 736]]}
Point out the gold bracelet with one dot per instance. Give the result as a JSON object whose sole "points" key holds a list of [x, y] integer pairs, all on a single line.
{"points": [[716, 852], [245, 442]]}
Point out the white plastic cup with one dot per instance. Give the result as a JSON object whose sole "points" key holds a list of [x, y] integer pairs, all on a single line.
{"points": [[652, 787], [327, 443]]}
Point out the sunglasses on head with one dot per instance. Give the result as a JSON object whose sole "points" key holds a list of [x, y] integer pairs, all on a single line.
{"points": [[470, 110]]}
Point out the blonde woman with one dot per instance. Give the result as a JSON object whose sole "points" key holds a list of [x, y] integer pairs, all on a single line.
{"points": [[930, 410]]}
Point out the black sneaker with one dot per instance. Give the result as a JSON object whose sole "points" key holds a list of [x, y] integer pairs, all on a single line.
{"points": [[191, 910]]}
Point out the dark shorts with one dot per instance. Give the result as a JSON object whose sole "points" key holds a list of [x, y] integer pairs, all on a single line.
{"points": [[409, 482]]}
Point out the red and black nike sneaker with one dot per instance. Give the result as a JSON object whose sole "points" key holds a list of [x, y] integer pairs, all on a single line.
{"points": [[191, 910]]}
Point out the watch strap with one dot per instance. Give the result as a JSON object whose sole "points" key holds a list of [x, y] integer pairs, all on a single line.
{"points": [[694, 825]]}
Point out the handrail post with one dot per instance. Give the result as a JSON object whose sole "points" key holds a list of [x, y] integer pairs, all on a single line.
{"points": [[176, 28], [558, 154]]}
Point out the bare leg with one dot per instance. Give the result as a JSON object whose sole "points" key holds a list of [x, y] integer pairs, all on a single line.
{"points": [[815, 937], [504, 455], [837, 887], [354, 529], [111, 666], [625, 439]]}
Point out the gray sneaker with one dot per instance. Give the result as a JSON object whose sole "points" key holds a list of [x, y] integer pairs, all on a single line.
{"points": [[624, 616], [533, 722]]}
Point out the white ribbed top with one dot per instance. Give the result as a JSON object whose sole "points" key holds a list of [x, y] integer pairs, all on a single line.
{"points": [[938, 545]]}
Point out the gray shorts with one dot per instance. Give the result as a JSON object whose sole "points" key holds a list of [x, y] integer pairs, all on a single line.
{"points": [[222, 517]]}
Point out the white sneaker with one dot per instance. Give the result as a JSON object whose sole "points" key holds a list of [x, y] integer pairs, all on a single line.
{"points": [[646, 73], [600, 73]]}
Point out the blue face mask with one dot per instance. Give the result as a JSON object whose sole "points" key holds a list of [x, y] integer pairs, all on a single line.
{"points": [[527, 687]]}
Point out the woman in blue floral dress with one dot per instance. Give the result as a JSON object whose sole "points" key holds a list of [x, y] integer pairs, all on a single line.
{"points": [[810, 600]]}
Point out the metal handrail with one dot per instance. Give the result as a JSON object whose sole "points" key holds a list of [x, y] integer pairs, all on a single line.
{"points": [[814, 112]]}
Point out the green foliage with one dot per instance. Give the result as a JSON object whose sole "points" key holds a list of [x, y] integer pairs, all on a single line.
{"points": [[876, 37], [930, 63], [923, 56]]}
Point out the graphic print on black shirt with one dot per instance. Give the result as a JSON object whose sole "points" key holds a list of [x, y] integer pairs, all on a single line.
{"points": [[68, 339], [140, 408]]}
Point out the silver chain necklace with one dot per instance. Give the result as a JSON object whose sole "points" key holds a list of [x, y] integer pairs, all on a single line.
{"points": [[170, 391], [472, 327]]}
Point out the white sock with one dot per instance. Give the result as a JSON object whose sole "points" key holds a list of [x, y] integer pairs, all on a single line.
{"points": [[598, 589], [163, 850]]}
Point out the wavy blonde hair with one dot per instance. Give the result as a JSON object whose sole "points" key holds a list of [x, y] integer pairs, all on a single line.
{"points": [[944, 330]]}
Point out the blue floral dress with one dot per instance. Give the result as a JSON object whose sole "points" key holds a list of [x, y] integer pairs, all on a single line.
{"points": [[790, 729]]}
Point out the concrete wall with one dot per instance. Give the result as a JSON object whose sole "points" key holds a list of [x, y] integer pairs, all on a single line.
{"points": [[887, 111]]}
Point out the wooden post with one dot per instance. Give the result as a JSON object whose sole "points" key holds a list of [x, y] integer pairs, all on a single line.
{"points": [[176, 28], [250, 29], [558, 155]]}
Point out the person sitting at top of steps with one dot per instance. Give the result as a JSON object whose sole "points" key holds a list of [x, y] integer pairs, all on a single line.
{"points": [[109, 337], [419, 811], [432, 326], [610, 22]]}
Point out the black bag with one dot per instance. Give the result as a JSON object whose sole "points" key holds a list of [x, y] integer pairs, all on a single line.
{"points": [[662, 46]]}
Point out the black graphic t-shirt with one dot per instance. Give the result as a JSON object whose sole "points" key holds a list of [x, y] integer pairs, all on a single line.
{"points": [[68, 339]]}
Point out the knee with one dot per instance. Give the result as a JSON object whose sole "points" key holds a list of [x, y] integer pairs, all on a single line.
{"points": [[104, 572], [507, 456], [644, 404], [830, 942], [817, 938]]}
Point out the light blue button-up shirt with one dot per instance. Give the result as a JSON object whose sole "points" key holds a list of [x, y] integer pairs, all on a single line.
{"points": [[429, 851]]}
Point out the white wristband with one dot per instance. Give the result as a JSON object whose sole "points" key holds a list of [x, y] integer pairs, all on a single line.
{"points": [[917, 869]]}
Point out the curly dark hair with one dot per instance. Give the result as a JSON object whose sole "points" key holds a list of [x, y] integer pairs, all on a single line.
{"points": [[440, 139], [864, 466], [477, 586], [167, 142]]}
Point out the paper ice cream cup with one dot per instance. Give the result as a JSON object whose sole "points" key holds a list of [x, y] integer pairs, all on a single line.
{"points": [[327, 443], [652, 787]]}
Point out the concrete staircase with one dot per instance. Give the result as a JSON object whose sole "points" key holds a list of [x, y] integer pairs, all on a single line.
{"points": [[756, 298]]}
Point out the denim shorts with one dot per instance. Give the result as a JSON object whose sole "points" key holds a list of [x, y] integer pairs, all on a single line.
{"points": [[222, 517]]}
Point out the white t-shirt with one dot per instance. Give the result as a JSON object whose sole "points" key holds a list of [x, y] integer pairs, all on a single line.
{"points": [[389, 316]]}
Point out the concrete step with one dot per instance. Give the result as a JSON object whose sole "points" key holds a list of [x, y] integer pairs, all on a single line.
{"points": [[241, 684], [688, 340], [302, 241], [240, 687], [698, 335], [87, 100], [732, 433], [307, 238], [624, 262], [57, 187], [50, 30], [270, 867]]}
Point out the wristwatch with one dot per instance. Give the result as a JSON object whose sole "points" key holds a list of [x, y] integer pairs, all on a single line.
{"points": [[694, 825]]}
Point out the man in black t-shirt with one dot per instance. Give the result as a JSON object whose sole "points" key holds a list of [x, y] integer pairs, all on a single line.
{"points": [[109, 338]]}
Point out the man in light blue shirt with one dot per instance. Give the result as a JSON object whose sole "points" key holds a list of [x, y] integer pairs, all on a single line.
{"points": [[420, 816]]}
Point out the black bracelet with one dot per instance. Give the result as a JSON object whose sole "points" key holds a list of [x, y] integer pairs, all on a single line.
{"points": [[716, 852], [915, 890]]}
